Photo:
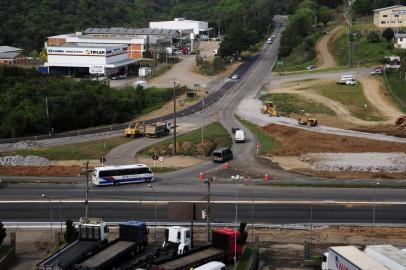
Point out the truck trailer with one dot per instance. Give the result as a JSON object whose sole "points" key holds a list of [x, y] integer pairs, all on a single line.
{"points": [[225, 245], [349, 258], [93, 235], [153, 130], [387, 255], [133, 239]]}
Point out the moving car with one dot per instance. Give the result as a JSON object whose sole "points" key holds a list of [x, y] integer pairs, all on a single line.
{"points": [[235, 77], [222, 155], [310, 67], [239, 136]]}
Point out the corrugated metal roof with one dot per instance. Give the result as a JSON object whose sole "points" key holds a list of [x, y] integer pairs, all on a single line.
{"points": [[4, 49], [8, 55], [391, 7], [130, 31]]}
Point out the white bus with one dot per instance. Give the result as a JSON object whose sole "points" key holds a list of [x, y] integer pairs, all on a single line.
{"points": [[118, 175]]}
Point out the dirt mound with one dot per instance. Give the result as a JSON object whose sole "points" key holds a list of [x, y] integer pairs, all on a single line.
{"points": [[42, 171], [295, 142]]}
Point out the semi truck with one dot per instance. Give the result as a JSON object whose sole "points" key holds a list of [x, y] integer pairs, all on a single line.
{"points": [[349, 258], [93, 235], [178, 238], [154, 130], [225, 246], [133, 239]]}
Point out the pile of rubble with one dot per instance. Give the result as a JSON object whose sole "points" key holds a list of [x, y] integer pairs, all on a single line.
{"points": [[357, 162], [13, 161], [7, 147]]}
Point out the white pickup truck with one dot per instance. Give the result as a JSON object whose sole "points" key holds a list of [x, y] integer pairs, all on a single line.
{"points": [[347, 80]]}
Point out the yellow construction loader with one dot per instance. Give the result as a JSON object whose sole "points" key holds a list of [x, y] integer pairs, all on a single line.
{"points": [[134, 129], [308, 120], [269, 108]]}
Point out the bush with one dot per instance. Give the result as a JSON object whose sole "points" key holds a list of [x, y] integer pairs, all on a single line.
{"points": [[388, 34], [71, 233], [373, 37], [2, 233]]}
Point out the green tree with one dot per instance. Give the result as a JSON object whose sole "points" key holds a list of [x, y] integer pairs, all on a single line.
{"points": [[71, 233], [3, 232], [388, 34], [325, 14], [373, 37]]}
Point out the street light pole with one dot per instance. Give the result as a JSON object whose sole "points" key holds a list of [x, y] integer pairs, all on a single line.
{"points": [[236, 226], [174, 117], [153, 190], [50, 210], [203, 121], [208, 215], [87, 190]]}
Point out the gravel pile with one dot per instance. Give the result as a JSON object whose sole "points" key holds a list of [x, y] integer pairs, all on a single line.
{"points": [[357, 162], [7, 147], [13, 161]]}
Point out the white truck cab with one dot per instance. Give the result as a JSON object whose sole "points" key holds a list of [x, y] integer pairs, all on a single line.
{"points": [[93, 229], [180, 236], [239, 136]]}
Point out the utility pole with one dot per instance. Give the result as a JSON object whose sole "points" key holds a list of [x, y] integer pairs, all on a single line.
{"points": [[349, 44], [208, 214], [47, 109], [174, 117], [203, 121], [87, 190]]}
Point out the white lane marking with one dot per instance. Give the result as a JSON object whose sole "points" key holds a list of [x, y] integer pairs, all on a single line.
{"points": [[322, 202]]}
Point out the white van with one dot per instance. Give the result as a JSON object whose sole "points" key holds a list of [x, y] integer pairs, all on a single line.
{"points": [[212, 266], [239, 136], [347, 77]]}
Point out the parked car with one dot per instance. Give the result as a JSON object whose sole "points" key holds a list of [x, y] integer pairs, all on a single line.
{"points": [[222, 155], [310, 67], [235, 77], [377, 71]]}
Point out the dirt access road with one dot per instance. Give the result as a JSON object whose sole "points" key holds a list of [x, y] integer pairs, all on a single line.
{"points": [[324, 57]]}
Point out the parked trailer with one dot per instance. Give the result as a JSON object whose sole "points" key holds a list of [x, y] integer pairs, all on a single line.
{"points": [[222, 249], [132, 241], [93, 235], [388, 255]]}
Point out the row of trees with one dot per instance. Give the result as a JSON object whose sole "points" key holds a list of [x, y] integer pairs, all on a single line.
{"points": [[302, 24], [34, 104]]}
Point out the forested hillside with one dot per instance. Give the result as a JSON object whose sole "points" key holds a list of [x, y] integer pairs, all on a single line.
{"points": [[26, 23], [366, 7]]}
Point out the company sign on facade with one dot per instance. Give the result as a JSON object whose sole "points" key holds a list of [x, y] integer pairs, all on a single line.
{"points": [[86, 51], [96, 69]]}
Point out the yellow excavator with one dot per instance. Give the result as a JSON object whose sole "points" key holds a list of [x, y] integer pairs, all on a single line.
{"points": [[134, 129], [269, 108], [308, 120]]}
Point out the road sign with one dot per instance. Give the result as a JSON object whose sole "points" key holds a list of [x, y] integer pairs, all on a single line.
{"points": [[258, 145], [96, 69], [161, 159]]}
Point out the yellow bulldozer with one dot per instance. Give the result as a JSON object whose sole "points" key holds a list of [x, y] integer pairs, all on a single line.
{"points": [[308, 120], [269, 108], [134, 129]]}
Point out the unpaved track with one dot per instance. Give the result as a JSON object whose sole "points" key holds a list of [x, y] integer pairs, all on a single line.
{"points": [[373, 91], [323, 53]]}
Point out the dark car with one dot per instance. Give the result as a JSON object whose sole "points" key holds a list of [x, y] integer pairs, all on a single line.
{"points": [[222, 155], [233, 130]]}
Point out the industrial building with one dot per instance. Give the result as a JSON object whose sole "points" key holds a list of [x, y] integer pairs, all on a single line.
{"points": [[390, 17], [76, 60], [199, 28], [12, 56]]}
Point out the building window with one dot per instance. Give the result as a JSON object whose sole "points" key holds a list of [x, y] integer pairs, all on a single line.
{"points": [[385, 16], [383, 22], [396, 16]]}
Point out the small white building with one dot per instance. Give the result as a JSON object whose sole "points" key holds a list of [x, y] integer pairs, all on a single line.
{"points": [[400, 41], [199, 27], [73, 59], [390, 17]]}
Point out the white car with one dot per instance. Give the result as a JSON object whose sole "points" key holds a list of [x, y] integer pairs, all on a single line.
{"points": [[235, 77]]}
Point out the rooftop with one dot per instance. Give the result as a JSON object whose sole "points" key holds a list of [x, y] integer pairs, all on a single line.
{"points": [[386, 8], [8, 55], [130, 31], [358, 258], [88, 45], [388, 251], [4, 49]]}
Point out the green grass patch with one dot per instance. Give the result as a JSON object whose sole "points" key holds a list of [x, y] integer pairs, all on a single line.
{"points": [[395, 83], [364, 53], [4, 250], [352, 97], [190, 144], [79, 151], [243, 261], [290, 103], [267, 142]]}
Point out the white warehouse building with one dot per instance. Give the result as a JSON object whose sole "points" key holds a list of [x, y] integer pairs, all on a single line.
{"points": [[198, 27], [74, 59]]}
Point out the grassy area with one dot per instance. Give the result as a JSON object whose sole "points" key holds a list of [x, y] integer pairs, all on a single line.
{"points": [[267, 142], [215, 136], [295, 61], [243, 261], [352, 97], [364, 53], [395, 83], [3, 250], [290, 103], [79, 151]]}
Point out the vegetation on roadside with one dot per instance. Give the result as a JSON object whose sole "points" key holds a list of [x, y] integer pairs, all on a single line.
{"points": [[32, 104], [395, 83], [78, 151], [352, 97], [3, 234], [191, 144], [210, 68], [267, 143], [289, 103]]}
